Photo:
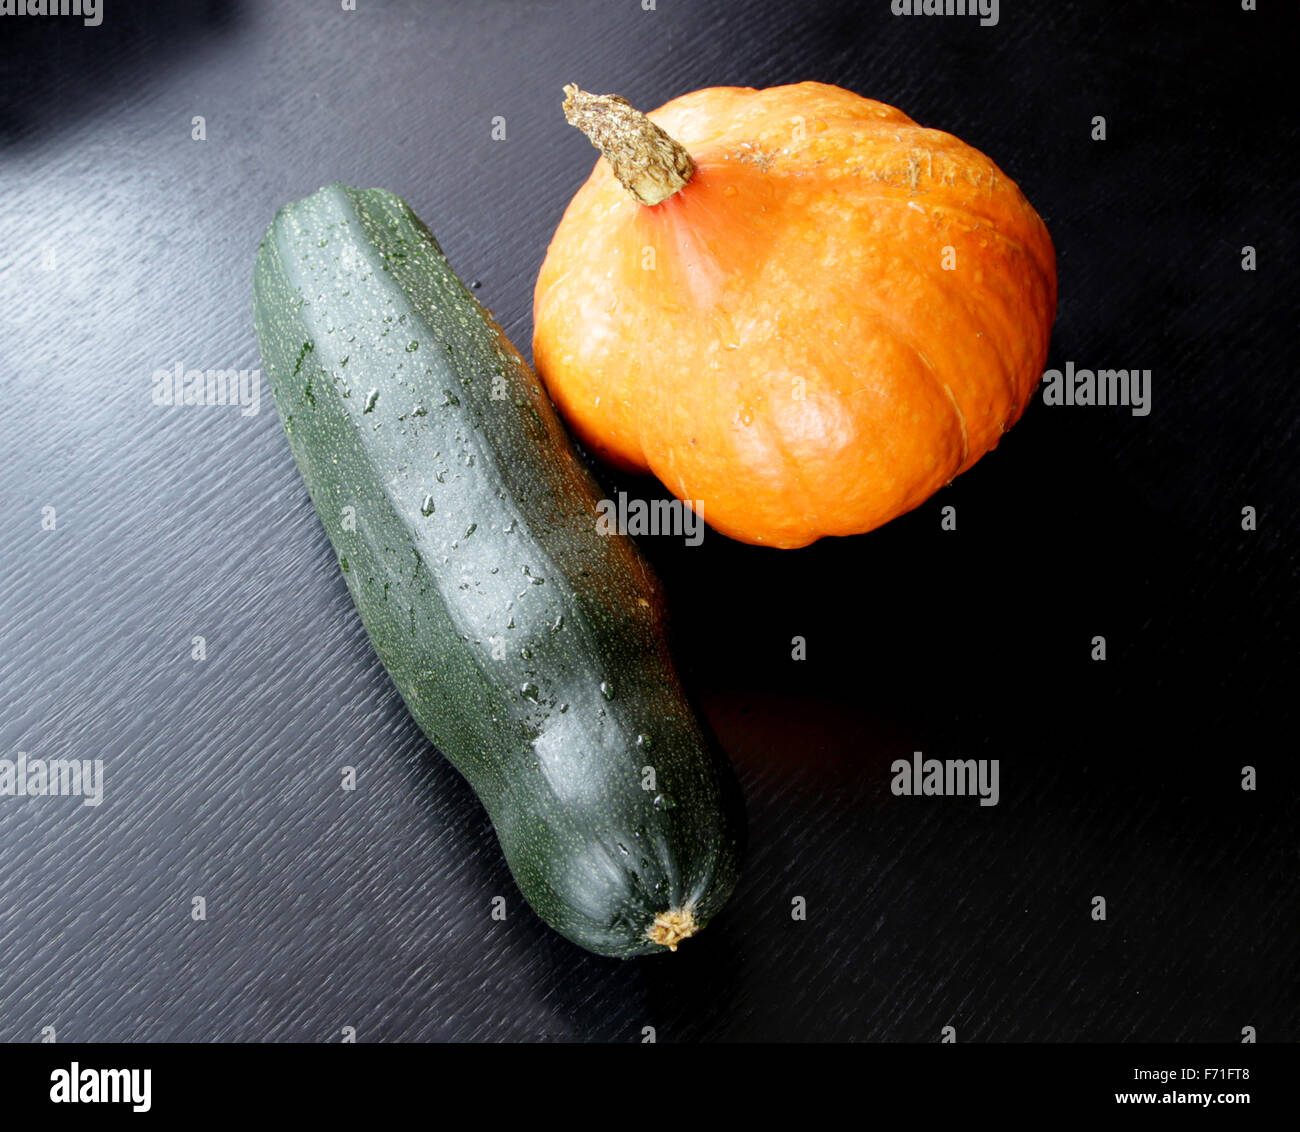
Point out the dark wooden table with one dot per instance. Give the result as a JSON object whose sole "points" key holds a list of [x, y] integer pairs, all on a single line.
{"points": [[126, 247]]}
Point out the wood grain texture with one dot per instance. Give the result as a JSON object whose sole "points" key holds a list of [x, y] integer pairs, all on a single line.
{"points": [[370, 909]]}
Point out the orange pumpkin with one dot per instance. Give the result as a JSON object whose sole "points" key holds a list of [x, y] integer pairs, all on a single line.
{"points": [[799, 309]]}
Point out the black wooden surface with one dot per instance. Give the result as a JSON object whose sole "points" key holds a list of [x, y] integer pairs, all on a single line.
{"points": [[126, 247]]}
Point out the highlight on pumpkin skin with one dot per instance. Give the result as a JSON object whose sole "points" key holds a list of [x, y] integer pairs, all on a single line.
{"points": [[685, 234]]}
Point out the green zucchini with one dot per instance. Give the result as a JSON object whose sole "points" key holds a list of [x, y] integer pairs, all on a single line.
{"points": [[529, 648]]}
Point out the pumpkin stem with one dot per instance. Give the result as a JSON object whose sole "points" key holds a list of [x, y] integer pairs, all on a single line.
{"points": [[650, 164], [671, 927]]}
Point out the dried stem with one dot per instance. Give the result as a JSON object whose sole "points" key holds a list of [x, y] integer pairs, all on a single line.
{"points": [[650, 164], [670, 928]]}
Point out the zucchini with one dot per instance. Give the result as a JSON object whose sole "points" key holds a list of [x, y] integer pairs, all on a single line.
{"points": [[528, 647]]}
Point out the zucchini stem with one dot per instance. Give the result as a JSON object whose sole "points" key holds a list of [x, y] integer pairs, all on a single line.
{"points": [[651, 165], [673, 926]]}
